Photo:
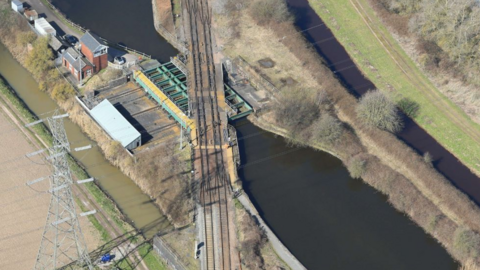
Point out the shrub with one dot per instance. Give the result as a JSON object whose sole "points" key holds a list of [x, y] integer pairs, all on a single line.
{"points": [[269, 11], [25, 38], [327, 130], [62, 91], [427, 157], [251, 244], [376, 110], [466, 242], [356, 166], [39, 60], [295, 110]]}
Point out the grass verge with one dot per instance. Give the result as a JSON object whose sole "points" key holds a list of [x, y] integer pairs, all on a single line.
{"points": [[103, 233], [44, 136], [149, 257], [383, 61]]}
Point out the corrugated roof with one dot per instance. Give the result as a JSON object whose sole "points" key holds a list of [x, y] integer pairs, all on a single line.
{"points": [[91, 41], [55, 43], [45, 25], [114, 123]]}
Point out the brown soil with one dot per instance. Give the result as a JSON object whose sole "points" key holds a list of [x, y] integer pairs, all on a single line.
{"points": [[164, 11], [24, 210]]}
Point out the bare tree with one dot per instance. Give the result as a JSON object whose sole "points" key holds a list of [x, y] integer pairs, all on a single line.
{"points": [[376, 110]]}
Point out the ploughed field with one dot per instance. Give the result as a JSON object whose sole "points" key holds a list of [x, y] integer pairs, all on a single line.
{"points": [[23, 210]]}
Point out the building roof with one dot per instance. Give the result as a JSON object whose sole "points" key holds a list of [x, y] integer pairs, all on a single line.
{"points": [[55, 43], [75, 58], [17, 3], [41, 22], [92, 41], [110, 119], [31, 12]]}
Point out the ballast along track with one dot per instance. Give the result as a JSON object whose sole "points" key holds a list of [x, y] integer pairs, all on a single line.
{"points": [[207, 138]]}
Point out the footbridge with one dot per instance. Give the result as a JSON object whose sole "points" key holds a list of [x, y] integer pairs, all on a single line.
{"points": [[167, 85]]}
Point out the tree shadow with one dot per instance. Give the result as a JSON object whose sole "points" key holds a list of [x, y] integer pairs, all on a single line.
{"points": [[135, 237], [409, 107]]}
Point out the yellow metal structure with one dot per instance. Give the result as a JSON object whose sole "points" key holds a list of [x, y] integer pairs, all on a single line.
{"points": [[164, 101]]}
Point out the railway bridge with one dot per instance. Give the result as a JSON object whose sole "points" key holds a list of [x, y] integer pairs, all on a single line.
{"points": [[209, 109]]}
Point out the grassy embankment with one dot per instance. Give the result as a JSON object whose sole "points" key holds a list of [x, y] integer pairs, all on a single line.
{"points": [[147, 173], [43, 136], [383, 61], [413, 186]]}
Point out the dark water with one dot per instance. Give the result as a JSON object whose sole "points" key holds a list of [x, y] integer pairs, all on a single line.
{"points": [[413, 135], [328, 220], [120, 21]]}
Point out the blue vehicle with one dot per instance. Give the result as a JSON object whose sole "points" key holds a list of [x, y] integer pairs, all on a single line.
{"points": [[106, 258]]}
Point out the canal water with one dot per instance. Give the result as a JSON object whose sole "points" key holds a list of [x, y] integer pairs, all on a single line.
{"points": [[413, 135], [327, 219], [120, 21], [324, 217], [136, 205]]}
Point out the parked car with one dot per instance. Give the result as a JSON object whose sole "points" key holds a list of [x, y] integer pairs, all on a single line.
{"points": [[72, 40], [119, 60]]}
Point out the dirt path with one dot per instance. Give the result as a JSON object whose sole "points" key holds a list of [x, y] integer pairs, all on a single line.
{"points": [[435, 97]]}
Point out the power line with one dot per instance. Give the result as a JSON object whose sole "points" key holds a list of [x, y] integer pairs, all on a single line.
{"points": [[62, 239]]}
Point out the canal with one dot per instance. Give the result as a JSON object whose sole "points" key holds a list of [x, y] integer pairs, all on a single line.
{"points": [[327, 219], [136, 205], [120, 21], [413, 135], [324, 217]]}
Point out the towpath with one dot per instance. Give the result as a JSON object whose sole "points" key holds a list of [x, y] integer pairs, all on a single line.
{"points": [[50, 16], [277, 245]]}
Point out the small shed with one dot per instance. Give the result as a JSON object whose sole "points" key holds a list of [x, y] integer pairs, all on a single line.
{"points": [[119, 129], [31, 15], [17, 6], [44, 28]]}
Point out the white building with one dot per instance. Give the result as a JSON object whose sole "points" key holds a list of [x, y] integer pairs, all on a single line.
{"points": [[17, 6], [44, 28], [117, 127]]}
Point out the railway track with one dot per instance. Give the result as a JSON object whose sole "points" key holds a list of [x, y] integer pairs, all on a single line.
{"points": [[209, 160]]}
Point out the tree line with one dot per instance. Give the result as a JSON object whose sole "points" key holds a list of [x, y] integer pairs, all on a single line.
{"points": [[450, 30]]}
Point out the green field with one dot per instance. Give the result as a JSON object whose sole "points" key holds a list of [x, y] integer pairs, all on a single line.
{"points": [[383, 61]]}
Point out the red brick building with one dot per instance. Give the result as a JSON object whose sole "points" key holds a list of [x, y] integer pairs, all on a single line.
{"points": [[74, 61], [95, 50]]}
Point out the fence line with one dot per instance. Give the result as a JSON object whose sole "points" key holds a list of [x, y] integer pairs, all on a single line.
{"points": [[83, 30], [78, 27], [172, 39], [157, 243]]}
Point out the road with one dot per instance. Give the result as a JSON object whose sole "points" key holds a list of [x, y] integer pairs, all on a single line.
{"points": [[50, 16]]}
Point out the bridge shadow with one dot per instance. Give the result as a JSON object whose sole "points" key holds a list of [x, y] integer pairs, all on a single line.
{"points": [[135, 238]]}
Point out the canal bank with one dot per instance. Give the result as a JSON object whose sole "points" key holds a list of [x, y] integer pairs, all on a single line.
{"points": [[410, 195], [137, 207]]}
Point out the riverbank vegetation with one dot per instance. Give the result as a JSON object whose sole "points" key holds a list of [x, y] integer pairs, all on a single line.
{"points": [[168, 188], [385, 63], [413, 186]]}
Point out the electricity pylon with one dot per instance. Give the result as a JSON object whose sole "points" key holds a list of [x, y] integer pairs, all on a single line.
{"points": [[62, 240]]}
